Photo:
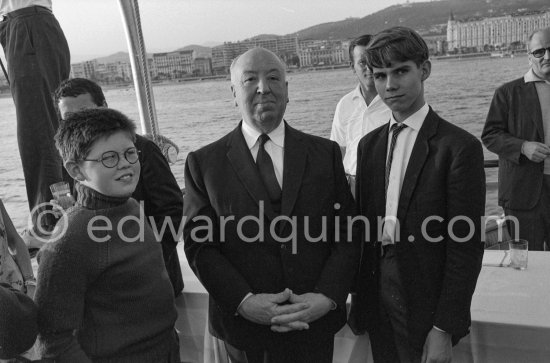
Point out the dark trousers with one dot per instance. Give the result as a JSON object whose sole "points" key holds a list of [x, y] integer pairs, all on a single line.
{"points": [[390, 342], [534, 224], [38, 59], [319, 351]]}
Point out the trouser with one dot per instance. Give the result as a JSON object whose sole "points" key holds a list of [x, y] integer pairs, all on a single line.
{"points": [[390, 342], [534, 224], [38, 59], [319, 351]]}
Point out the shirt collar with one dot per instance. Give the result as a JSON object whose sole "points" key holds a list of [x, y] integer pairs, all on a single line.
{"points": [[530, 76], [357, 91], [251, 135], [415, 120], [357, 94]]}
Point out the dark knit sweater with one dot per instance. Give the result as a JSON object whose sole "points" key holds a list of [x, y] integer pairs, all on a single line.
{"points": [[115, 295]]}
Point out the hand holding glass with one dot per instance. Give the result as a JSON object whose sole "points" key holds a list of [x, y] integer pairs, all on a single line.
{"points": [[61, 192]]}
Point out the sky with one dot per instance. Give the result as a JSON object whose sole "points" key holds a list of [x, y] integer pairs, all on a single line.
{"points": [[94, 28]]}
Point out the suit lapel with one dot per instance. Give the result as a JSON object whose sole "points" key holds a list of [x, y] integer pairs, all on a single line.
{"points": [[295, 157], [418, 157], [533, 107], [242, 162], [378, 157]]}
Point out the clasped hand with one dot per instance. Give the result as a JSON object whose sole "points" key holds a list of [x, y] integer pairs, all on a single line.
{"points": [[285, 311]]}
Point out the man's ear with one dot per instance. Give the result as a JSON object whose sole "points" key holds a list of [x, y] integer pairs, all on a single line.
{"points": [[234, 96], [426, 68], [74, 170], [104, 104]]}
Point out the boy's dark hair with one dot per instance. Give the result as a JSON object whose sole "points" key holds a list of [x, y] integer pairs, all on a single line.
{"points": [[362, 40], [74, 87], [397, 44], [82, 129]]}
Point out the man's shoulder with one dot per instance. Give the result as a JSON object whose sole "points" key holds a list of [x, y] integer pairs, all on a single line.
{"points": [[454, 135], [348, 97], [311, 139], [146, 145], [374, 134], [506, 87], [213, 149]]}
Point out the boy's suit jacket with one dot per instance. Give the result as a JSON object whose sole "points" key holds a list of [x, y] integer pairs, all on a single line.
{"points": [[444, 178]]}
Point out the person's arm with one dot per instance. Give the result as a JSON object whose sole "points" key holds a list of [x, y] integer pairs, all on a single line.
{"points": [[338, 132], [498, 137], [20, 251], [63, 276], [162, 195], [466, 200]]}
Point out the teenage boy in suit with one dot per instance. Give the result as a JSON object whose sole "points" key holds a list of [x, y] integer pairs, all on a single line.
{"points": [[421, 183]]}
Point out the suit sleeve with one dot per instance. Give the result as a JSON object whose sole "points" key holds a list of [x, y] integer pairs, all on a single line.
{"points": [[162, 194], [496, 135], [202, 243], [464, 248], [337, 276]]}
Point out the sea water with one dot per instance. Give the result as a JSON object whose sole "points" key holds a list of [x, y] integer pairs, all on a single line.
{"points": [[193, 114]]}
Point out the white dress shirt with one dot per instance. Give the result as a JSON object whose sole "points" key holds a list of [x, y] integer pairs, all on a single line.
{"points": [[275, 146], [401, 155], [7, 6], [353, 119]]}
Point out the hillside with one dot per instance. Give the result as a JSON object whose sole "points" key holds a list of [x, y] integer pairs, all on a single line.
{"points": [[426, 17]]}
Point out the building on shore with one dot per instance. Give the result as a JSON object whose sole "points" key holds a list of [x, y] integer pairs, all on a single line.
{"points": [[496, 33], [223, 55], [172, 65], [322, 52]]}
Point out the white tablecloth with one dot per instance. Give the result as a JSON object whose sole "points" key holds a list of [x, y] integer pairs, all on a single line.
{"points": [[510, 314]]}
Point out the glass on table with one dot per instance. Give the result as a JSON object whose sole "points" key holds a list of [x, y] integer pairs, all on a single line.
{"points": [[518, 253]]}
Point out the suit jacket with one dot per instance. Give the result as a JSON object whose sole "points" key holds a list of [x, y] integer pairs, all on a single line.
{"points": [[514, 117], [444, 178], [162, 198], [222, 181]]}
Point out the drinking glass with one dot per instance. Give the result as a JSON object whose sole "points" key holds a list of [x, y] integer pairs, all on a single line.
{"points": [[518, 254], [61, 192]]}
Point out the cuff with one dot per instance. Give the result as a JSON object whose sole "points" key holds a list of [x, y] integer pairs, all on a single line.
{"points": [[242, 301]]}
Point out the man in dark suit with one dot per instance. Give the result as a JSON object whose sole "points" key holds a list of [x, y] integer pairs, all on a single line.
{"points": [[517, 129], [157, 187], [266, 210], [422, 255]]}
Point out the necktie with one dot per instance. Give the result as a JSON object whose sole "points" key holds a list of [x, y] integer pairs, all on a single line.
{"points": [[267, 172], [396, 129]]}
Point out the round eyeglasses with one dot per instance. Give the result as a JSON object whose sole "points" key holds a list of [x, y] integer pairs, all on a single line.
{"points": [[539, 53], [110, 159]]}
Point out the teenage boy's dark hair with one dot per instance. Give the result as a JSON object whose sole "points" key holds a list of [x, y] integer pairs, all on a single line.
{"points": [[74, 87], [362, 40], [80, 130], [397, 44]]}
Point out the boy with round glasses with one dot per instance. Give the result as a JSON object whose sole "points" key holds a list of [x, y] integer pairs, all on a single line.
{"points": [[103, 292], [157, 186]]}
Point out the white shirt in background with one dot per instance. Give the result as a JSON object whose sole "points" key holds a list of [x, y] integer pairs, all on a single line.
{"points": [[353, 119], [7, 6]]}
